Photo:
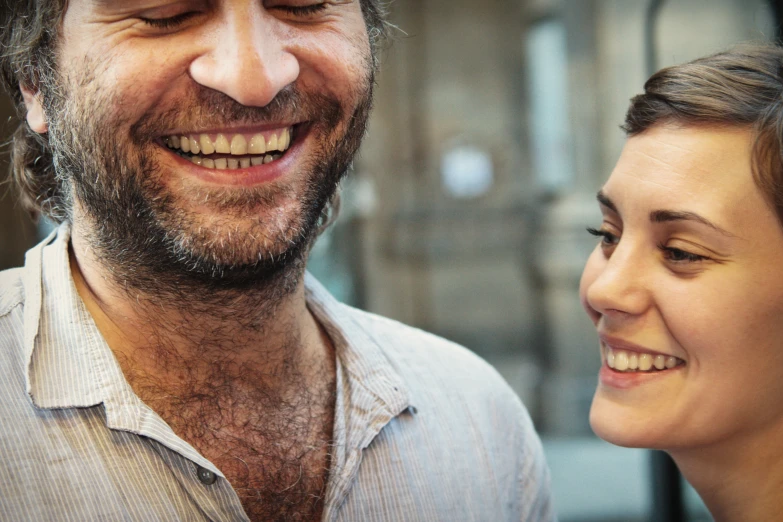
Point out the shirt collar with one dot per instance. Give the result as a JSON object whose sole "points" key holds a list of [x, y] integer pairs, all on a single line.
{"points": [[69, 364], [370, 392], [373, 390], [60, 336]]}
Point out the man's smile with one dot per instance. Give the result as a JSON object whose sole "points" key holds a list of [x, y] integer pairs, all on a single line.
{"points": [[232, 150]]}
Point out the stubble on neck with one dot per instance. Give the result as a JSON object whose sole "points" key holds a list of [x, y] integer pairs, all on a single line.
{"points": [[187, 336]]}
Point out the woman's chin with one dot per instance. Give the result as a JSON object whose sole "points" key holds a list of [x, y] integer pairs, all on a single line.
{"points": [[622, 428]]}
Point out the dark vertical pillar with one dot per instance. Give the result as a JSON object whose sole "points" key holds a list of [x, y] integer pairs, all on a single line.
{"points": [[667, 500], [776, 6], [650, 26]]}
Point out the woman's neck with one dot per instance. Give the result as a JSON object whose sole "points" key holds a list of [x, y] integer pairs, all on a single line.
{"points": [[739, 480]]}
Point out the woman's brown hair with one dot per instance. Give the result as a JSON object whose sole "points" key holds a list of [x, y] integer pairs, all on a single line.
{"points": [[741, 87]]}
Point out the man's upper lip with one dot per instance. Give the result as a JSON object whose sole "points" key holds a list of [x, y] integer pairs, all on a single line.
{"points": [[247, 129], [621, 344]]}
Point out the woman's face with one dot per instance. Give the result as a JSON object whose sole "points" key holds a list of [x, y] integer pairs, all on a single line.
{"points": [[688, 271]]}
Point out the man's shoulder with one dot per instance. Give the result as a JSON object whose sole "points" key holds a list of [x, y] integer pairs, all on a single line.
{"points": [[12, 363], [399, 339], [460, 405], [11, 289], [428, 361]]}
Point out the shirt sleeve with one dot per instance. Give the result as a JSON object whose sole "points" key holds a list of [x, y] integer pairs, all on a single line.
{"points": [[534, 483]]}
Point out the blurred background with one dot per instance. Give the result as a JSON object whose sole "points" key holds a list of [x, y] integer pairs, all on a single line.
{"points": [[496, 122]]}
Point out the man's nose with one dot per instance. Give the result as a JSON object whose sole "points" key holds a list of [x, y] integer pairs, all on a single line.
{"points": [[246, 58], [622, 288]]}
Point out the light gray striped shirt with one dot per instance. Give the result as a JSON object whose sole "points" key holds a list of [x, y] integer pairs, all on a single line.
{"points": [[424, 430]]}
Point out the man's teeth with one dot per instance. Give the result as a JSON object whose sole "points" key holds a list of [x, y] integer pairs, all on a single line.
{"points": [[229, 163], [624, 361], [256, 149]]}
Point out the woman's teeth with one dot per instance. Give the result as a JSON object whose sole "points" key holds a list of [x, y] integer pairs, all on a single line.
{"points": [[250, 150], [625, 361]]}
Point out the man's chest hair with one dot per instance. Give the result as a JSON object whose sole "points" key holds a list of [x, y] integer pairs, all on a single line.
{"points": [[274, 449]]}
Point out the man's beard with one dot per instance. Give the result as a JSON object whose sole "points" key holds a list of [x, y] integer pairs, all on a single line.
{"points": [[142, 231]]}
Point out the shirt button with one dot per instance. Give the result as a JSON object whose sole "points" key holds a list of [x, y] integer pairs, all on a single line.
{"points": [[205, 476]]}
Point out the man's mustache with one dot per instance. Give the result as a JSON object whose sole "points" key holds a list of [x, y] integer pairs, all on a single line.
{"points": [[205, 108]]}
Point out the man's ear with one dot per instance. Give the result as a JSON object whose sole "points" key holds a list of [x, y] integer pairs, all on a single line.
{"points": [[36, 118]]}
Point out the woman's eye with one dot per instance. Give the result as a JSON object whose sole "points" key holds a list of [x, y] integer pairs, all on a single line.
{"points": [[681, 256], [607, 238]]}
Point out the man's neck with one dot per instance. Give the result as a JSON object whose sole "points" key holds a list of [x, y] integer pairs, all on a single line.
{"points": [[249, 383], [182, 342]]}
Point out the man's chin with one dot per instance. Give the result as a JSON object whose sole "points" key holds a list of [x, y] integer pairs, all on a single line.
{"points": [[182, 254], [263, 244], [228, 269]]}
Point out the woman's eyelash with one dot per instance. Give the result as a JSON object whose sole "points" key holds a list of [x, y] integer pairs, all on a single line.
{"points": [[607, 237], [675, 255], [167, 23], [681, 256]]}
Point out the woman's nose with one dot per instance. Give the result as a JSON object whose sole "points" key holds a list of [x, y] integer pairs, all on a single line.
{"points": [[619, 284]]}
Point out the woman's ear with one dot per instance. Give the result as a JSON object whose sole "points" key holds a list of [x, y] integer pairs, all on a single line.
{"points": [[36, 118]]}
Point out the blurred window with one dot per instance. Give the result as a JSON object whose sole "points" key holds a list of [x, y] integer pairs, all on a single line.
{"points": [[547, 60]]}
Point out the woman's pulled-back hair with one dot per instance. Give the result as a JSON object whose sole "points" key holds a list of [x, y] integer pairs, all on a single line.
{"points": [[29, 31], [741, 87]]}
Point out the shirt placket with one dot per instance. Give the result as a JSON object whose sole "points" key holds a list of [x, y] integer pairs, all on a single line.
{"points": [[209, 491]]}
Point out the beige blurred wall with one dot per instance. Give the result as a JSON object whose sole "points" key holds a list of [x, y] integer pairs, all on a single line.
{"points": [[454, 76]]}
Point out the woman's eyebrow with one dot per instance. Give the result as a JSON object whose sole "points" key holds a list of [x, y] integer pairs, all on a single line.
{"points": [[605, 201], [664, 216]]}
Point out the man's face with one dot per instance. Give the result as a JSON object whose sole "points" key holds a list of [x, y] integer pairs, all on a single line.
{"points": [[205, 136]]}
